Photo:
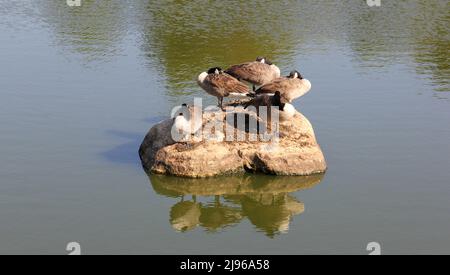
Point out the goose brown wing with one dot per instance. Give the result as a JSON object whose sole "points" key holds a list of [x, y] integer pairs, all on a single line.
{"points": [[279, 84], [250, 103], [258, 101], [228, 84], [252, 72], [238, 71]]}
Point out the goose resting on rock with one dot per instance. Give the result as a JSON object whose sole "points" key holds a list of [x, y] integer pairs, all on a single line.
{"points": [[290, 87], [285, 110], [258, 72], [220, 84], [188, 121]]}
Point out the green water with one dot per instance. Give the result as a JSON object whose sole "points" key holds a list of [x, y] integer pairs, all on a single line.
{"points": [[81, 86]]}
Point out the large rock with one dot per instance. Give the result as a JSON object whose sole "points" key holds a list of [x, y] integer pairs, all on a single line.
{"points": [[296, 152]]}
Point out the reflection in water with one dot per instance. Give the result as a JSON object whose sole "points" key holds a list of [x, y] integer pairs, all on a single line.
{"points": [[432, 42], [271, 213], [264, 200], [55, 129], [216, 215], [92, 30], [185, 215], [400, 31], [183, 38]]}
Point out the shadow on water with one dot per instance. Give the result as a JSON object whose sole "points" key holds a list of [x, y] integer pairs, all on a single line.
{"points": [[125, 153], [154, 120], [217, 203]]}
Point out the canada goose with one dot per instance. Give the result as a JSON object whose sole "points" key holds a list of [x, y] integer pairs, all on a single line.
{"points": [[285, 110], [266, 100], [220, 84], [291, 87], [187, 122], [258, 72]]}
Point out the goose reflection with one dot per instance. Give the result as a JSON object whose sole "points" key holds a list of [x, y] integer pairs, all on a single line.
{"points": [[215, 216], [219, 203], [185, 215]]}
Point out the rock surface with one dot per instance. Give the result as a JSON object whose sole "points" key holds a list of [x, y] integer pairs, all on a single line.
{"points": [[296, 151]]}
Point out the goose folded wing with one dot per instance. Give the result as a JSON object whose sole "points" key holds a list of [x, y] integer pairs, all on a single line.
{"points": [[232, 85], [277, 85], [253, 72], [238, 70]]}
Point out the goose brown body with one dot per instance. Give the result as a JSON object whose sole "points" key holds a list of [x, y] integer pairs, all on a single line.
{"points": [[285, 110], [220, 84], [291, 87], [273, 104], [257, 72], [266, 100]]}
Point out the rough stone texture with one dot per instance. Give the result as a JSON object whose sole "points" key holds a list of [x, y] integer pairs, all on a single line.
{"points": [[296, 152]]}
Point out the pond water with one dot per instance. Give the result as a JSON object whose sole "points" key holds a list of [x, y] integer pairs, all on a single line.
{"points": [[81, 86]]}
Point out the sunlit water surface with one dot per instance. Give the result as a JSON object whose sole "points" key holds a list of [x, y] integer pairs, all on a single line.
{"points": [[80, 87]]}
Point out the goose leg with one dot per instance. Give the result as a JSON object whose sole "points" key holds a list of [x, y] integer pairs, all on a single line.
{"points": [[217, 200], [269, 120], [221, 103], [254, 88]]}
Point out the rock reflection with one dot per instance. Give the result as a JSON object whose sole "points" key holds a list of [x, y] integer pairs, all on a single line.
{"points": [[218, 203]]}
